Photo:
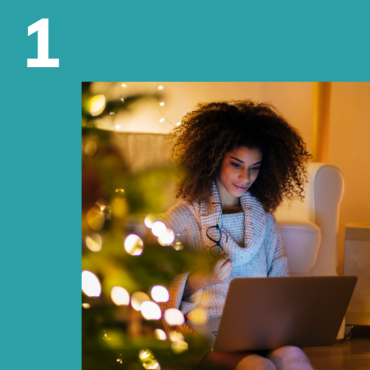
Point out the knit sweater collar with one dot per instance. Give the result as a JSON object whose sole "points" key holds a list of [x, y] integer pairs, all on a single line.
{"points": [[254, 226]]}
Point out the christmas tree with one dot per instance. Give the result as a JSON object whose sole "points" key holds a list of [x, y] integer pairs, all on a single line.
{"points": [[128, 255]]}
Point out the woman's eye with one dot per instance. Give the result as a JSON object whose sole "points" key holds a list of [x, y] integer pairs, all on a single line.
{"points": [[255, 168], [237, 165]]}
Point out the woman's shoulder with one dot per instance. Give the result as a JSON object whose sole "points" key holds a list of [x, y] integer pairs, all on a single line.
{"points": [[271, 223], [182, 211]]}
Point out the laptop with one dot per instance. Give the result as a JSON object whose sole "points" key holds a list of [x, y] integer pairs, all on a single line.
{"points": [[268, 313]]}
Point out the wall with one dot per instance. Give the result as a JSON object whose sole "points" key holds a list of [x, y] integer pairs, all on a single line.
{"points": [[349, 149]]}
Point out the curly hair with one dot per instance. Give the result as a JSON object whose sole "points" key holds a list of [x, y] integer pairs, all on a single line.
{"points": [[213, 129]]}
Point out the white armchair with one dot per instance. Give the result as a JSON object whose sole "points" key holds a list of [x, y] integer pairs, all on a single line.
{"points": [[310, 228]]}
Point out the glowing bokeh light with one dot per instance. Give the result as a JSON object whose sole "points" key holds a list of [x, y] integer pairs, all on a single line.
{"points": [[137, 299], [145, 355], [149, 221], [97, 105], [150, 310], [159, 293], [161, 104], [153, 364], [198, 315], [158, 228], [119, 207], [90, 284], [160, 334], [117, 127], [178, 124], [160, 87], [179, 346], [176, 336], [120, 191], [94, 242], [90, 148], [86, 305], [95, 218], [167, 238], [134, 245], [178, 245], [123, 85], [174, 317], [120, 296], [161, 120]]}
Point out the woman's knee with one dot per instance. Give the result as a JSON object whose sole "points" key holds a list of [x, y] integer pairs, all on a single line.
{"points": [[255, 362], [286, 355]]}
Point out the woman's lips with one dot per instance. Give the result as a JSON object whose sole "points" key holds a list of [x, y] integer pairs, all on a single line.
{"points": [[241, 188]]}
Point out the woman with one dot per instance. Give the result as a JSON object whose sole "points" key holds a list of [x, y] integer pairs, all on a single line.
{"points": [[239, 160]]}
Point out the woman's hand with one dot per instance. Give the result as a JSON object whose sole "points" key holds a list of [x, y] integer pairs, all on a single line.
{"points": [[217, 273]]}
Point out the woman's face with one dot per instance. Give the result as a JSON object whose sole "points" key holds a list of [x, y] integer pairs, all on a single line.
{"points": [[239, 170]]}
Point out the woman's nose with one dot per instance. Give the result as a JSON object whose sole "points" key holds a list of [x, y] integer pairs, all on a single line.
{"points": [[244, 176]]}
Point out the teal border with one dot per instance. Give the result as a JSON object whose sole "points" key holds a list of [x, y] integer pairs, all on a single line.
{"points": [[123, 41]]}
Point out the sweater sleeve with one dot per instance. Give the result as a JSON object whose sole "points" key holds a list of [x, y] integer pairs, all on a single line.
{"points": [[277, 261], [180, 220]]}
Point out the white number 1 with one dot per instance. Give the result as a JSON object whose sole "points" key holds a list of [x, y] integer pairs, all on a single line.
{"points": [[42, 29]]}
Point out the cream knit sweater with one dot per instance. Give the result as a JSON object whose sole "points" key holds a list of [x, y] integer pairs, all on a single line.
{"points": [[262, 255]]}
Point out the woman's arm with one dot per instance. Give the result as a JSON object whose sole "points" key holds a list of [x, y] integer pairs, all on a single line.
{"points": [[217, 273]]}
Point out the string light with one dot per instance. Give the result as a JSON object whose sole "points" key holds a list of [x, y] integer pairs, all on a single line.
{"points": [[160, 87], [174, 317], [90, 284], [166, 238], [176, 336], [97, 105], [137, 299], [120, 296], [123, 85], [90, 148], [161, 120], [94, 242], [149, 221], [158, 228], [150, 310], [179, 346], [178, 124], [160, 334], [134, 245], [159, 293], [161, 104]]}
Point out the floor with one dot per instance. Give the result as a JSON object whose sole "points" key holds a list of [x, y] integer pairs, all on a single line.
{"points": [[351, 354]]}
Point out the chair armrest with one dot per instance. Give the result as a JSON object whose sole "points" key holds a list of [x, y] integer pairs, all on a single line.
{"points": [[301, 241]]}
